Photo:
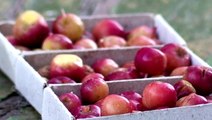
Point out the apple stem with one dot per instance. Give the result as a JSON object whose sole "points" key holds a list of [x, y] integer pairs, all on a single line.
{"points": [[62, 11]]}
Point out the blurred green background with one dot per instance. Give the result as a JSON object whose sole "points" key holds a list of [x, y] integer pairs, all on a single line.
{"points": [[190, 18]]}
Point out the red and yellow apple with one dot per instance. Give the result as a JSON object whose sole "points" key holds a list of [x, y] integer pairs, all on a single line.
{"points": [[30, 29], [111, 42], [57, 42], [67, 65], [93, 90], [108, 27], [86, 43], [69, 25], [104, 66]]}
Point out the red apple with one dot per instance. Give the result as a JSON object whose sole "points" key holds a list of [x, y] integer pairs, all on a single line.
{"points": [[129, 65], [132, 95], [122, 74], [92, 76], [151, 61], [70, 25], [71, 101], [105, 66], [183, 88], [158, 94], [191, 99], [176, 55], [115, 104], [93, 90], [179, 71], [60, 80], [56, 42], [86, 44], [67, 65], [30, 29], [107, 27], [112, 42], [12, 40], [140, 41], [87, 111], [143, 31], [201, 78]]}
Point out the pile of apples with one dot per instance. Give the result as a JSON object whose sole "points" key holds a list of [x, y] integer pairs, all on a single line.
{"points": [[172, 59], [32, 32], [94, 99]]}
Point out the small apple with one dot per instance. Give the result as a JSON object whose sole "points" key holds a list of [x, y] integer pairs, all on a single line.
{"points": [[183, 88], [57, 42], [179, 71], [87, 111], [69, 25], [67, 65], [141, 41], [12, 40], [71, 101], [191, 99], [115, 104], [143, 31], [30, 29], [60, 80], [176, 55], [159, 94], [122, 74], [132, 95], [201, 78], [108, 27], [86, 44], [93, 90], [151, 61], [112, 42], [92, 76], [104, 66]]}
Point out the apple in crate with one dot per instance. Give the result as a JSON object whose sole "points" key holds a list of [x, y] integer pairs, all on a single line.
{"points": [[134, 98], [176, 55], [112, 42], [60, 80], [107, 27], [201, 78], [151, 61], [87, 111], [122, 74], [191, 99], [71, 101], [104, 66], [57, 42], [30, 29], [159, 94], [93, 90], [86, 43], [92, 76], [179, 71], [115, 104], [143, 31], [67, 65], [70, 25], [183, 88], [140, 41]]}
